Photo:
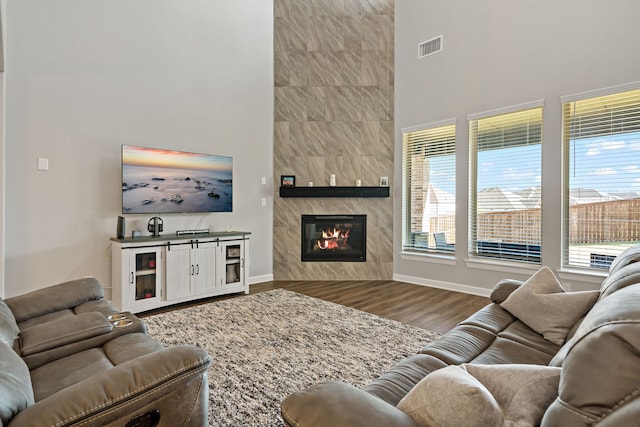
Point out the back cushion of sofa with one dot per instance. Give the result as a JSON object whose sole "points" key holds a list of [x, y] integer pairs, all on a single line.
{"points": [[600, 363], [628, 256], [8, 328], [16, 392], [54, 298], [621, 278]]}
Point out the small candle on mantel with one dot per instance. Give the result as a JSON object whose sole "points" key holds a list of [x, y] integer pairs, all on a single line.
{"points": [[358, 183]]}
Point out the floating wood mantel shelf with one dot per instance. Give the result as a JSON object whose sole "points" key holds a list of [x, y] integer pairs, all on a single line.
{"points": [[334, 191]]}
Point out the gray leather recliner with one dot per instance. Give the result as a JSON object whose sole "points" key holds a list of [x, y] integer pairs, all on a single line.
{"points": [[65, 362]]}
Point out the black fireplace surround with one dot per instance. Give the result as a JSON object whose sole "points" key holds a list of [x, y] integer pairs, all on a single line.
{"points": [[334, 238]]}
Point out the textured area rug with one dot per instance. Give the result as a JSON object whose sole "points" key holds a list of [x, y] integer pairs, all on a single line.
{"points": [[267, 345]]}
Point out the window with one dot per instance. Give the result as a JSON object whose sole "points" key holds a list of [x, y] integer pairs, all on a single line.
{"points": [[602, 177], [429, 186], [505, 192]]}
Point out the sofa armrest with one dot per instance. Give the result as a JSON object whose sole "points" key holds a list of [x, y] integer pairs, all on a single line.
{"points": [[55, 298], [172, 381], [503, 289], [339, 404], [63, 331]]}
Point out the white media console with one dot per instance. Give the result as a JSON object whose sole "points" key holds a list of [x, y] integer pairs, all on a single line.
{"points": [[152, 272]]}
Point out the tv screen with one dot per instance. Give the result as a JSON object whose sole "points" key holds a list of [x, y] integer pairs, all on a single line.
{"points": [[167, 181]]}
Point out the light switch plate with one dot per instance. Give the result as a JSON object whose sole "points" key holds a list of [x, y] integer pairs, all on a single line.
{"points": [[43, 164]]}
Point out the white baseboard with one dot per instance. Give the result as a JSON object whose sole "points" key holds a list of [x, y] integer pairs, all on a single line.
{"points": [[260, 279], [456, 287], [449, 286]]}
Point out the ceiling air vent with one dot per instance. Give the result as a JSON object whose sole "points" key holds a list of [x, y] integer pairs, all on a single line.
{"points": [[430, 47]]}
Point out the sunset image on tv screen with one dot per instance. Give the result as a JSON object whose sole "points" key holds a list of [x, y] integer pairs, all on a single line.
{"points": [[158, 181]]}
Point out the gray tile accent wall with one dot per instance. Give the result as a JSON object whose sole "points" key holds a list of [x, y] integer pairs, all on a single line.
{"points": [[333, 115]]}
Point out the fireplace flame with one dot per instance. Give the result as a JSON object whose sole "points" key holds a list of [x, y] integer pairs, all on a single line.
{"points": [[335, 238]]}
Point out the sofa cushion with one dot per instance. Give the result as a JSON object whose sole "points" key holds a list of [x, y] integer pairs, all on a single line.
{"points": [[130, 346], [55, 298], [521, 333], [394, 384], [45, 318], [73, 346], [55, 376], [8, 327], [472, 395], [460, 345], [491, 317], [622, 277], [15, 384], [61, 373], [99, 305], [504, 350], [451, 396], [523, 391], [544, 305], [62, 332], [628, 256]]}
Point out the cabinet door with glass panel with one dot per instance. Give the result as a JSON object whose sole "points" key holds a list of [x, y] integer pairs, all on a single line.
{"points": [[232, 264], [143, 278]]}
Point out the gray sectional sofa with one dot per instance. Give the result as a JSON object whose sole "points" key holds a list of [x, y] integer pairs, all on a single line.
{"points": [[69, 358], [504, 366]]}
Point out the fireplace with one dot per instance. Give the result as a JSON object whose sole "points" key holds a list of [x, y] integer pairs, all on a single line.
{"points": [[334, 238]]}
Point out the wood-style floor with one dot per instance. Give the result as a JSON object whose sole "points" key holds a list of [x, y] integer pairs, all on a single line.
{"points": [[429, 308]]}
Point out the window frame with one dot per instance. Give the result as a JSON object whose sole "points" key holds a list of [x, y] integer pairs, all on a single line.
{"points": [[565, 102], [407, 247], [531, 256]]}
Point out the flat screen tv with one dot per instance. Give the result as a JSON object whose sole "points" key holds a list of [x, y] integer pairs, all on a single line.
{"points": [[158, 181]]}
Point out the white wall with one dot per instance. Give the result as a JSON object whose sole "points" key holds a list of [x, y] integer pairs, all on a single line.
{"points": [[499, 53], [2, 145], [84, 77]]}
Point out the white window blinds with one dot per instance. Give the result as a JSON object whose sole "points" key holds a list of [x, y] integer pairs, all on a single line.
{"points": [[428, 205], [602, 177], [505, 192]]}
